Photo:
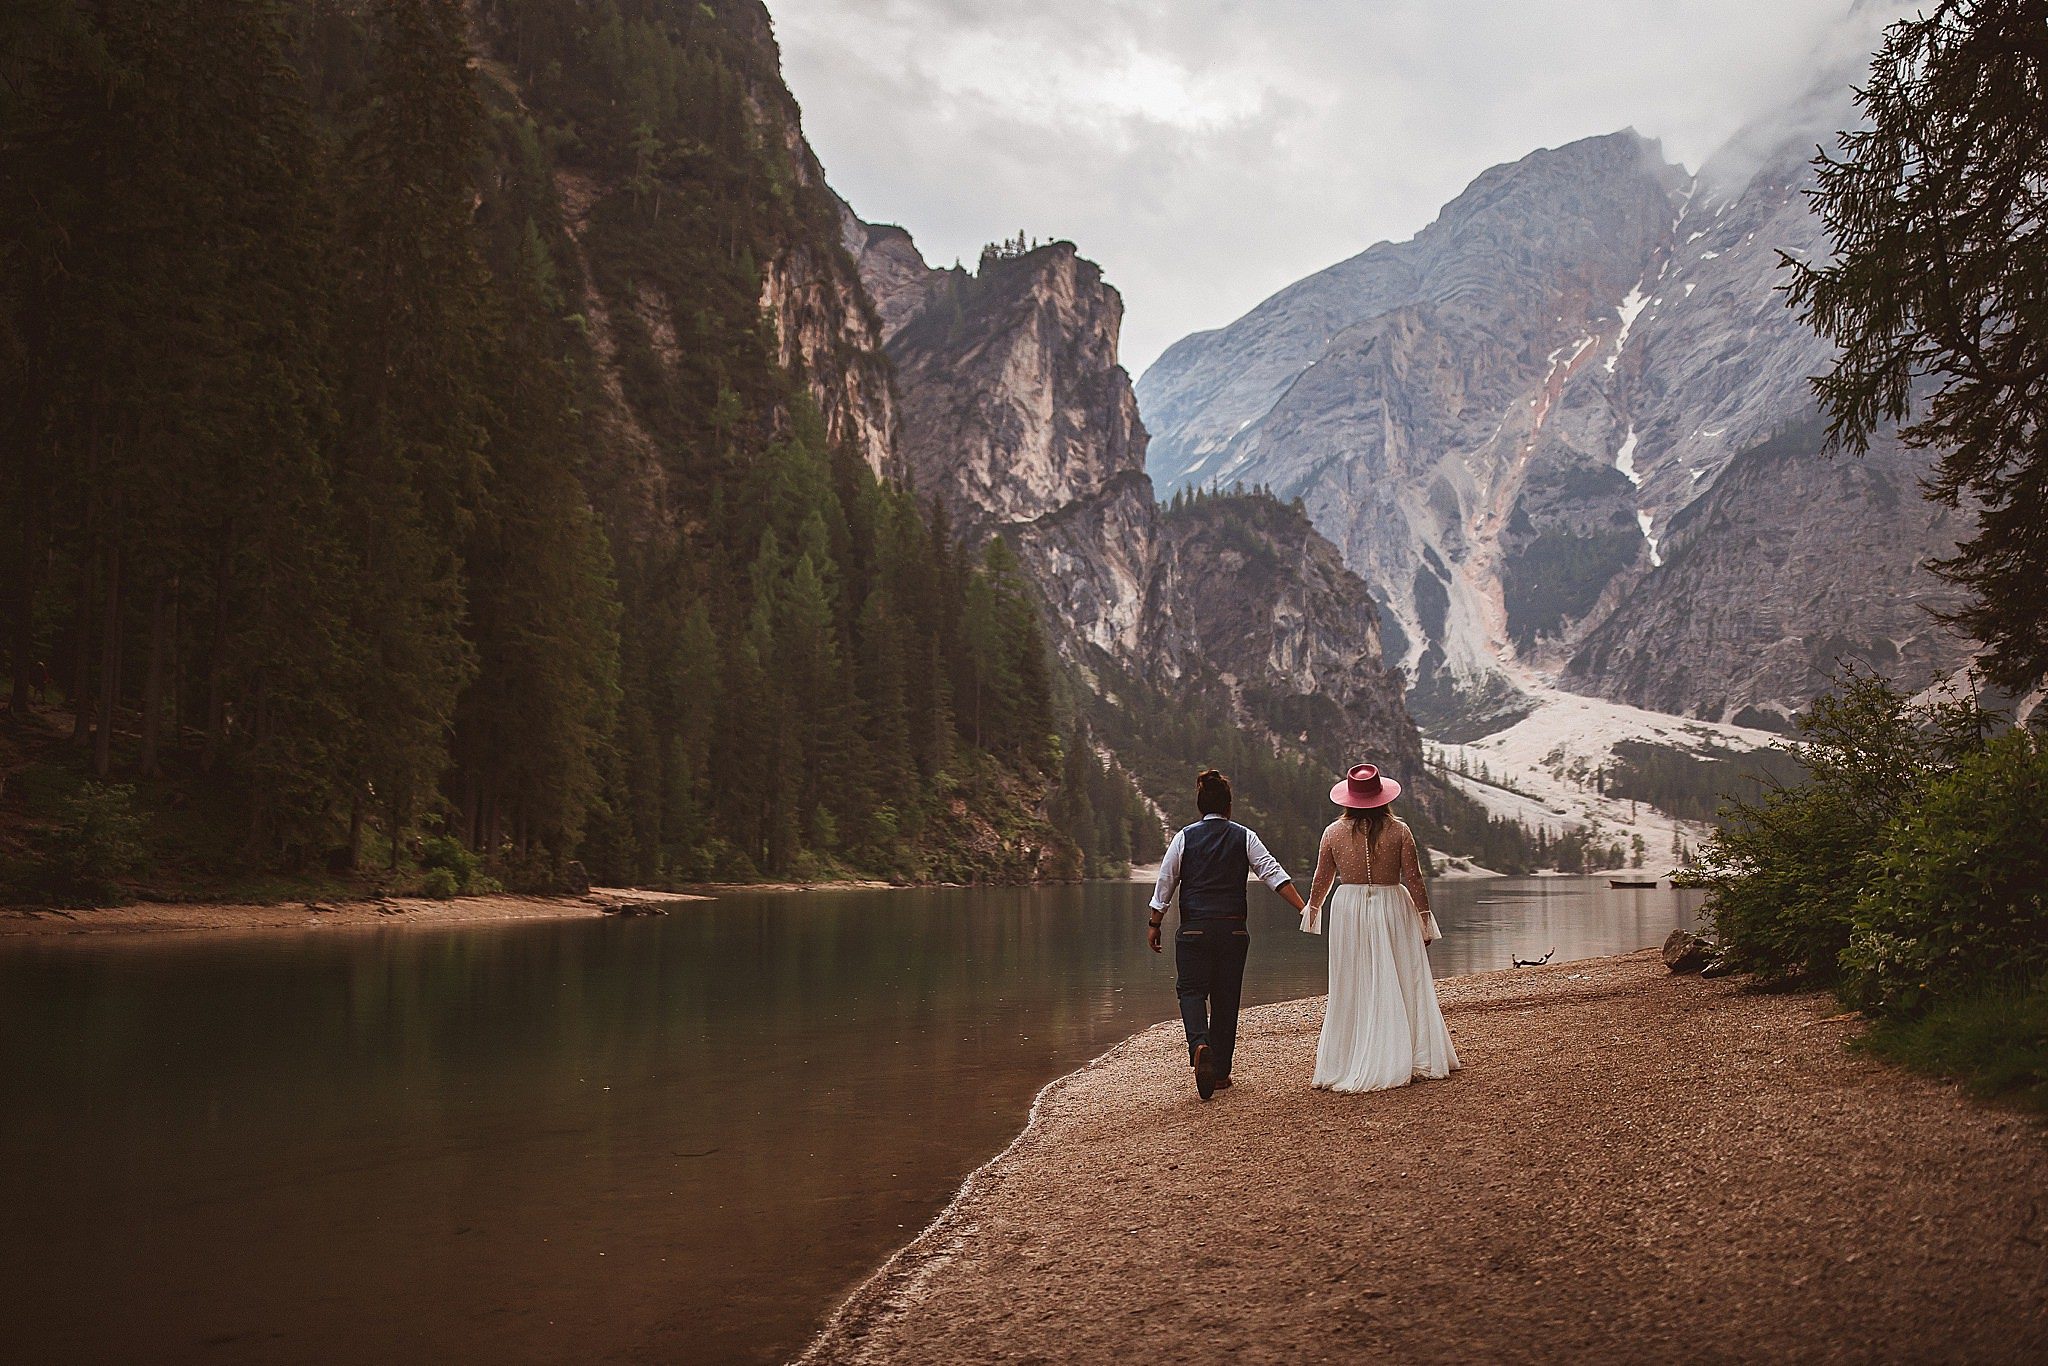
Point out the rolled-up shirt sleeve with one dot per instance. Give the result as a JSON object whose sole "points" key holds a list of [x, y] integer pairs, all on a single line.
{"points": [[1263, 863], [1169, 874]]}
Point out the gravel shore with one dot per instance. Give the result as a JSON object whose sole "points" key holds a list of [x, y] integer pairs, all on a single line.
{"points": [[1631, 1167]]}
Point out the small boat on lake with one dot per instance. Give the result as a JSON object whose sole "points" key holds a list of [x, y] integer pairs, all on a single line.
{"points": [[1631, 882]]}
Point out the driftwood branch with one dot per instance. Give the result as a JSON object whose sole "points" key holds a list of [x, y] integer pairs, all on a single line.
{"points": [[1533, 962]]}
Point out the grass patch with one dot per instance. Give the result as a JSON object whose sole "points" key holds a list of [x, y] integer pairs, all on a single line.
{"points": [[1994, 1040]]}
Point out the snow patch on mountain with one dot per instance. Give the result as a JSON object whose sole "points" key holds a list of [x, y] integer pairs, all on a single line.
{"points": [[1625, 458], [1630, 308], [1644, 520]]}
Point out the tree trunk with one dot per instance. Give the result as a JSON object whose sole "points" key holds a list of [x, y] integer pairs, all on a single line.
{"points": [[491, 820], [153, 686], [110, 660], [177, 683], [81, 657], [28, 582], [259, 798], [355, 830], [81, 636], [81, 662], [216, 694], [397, 824]]}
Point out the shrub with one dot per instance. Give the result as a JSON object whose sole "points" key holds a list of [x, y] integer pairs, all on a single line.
{"points": [[445, 853], [97, 838], [1911, 870], [1785, 871], [1956, 894], [440, 884]]}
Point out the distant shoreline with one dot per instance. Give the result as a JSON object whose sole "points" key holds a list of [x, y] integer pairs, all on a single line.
{"points": [[153, 918], [317, 913]]}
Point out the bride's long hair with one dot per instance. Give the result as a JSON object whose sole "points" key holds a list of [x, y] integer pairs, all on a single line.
{"points": [[1371, 819]]}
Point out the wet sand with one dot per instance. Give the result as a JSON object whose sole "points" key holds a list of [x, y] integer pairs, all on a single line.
{"points": [[1631, 1167]]}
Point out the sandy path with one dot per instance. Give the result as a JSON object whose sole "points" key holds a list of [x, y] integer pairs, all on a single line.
{"points": [[1632, 1167], [157, 917]]}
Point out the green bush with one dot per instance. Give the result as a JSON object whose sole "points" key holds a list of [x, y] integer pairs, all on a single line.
{"points": [[1956, 893], [446, 854], [1785, 871], [98, 837], [440, 884], [1784, 874], [1909, 870]]}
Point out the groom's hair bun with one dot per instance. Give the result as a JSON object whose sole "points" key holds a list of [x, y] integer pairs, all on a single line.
{"points": [[1212, 793]]}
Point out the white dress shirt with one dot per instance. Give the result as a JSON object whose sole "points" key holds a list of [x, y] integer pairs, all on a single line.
{"points": [[1263, 863]]}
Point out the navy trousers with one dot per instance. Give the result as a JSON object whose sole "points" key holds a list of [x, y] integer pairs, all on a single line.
{"points": [[1208, 961]]}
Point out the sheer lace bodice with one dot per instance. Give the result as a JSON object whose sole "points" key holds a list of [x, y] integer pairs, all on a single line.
{"points": [[1347, 856]]}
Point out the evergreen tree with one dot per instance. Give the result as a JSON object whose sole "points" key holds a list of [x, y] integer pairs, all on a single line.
{"points": [[410, 444], [1937, 293], [543, 609]]}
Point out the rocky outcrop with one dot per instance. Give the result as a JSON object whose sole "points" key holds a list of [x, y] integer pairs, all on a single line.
{"points": [[826, 330], [1014, 406], [1017, 415], [1791, 566], [898, 281], [824, 335], [1245, 588], [1507, 423]]}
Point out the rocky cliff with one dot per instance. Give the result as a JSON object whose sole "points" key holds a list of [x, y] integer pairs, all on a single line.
{"points": [[826, 329], [1245, 589], [1759, 601], [640, 297], [1016, 414], [1505, 422], [1014, 405], [730, 372]]}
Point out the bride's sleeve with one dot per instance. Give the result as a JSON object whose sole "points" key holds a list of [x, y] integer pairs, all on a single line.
{"points": [[1326, 872], [1411, 871]]}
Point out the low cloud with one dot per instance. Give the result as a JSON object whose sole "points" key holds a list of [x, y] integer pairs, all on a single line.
{"points": [[1208, 152]]}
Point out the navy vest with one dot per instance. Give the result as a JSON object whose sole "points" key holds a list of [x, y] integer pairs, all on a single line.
{"points": [[1213, 870]]}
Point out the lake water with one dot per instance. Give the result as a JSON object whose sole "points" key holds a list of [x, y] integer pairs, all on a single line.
{"points": [[676, 1139]]}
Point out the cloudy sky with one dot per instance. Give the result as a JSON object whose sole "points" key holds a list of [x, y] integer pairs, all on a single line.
{"points": [[1208, 152]]}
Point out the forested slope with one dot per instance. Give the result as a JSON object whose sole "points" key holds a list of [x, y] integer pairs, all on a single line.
{"points": [[439, 420]]}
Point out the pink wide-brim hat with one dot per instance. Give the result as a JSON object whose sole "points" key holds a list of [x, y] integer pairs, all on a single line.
{"points": [[1363, 787]]}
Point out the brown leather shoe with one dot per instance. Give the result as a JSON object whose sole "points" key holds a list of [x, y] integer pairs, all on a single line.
{"points": [[1205, 1071], [1223, 1083]]}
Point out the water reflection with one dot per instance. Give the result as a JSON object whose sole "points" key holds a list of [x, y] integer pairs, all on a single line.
{"points": [[675, 1139]]}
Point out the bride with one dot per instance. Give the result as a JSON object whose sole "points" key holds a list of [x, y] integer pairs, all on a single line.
{"points": [[1382, 1026]]}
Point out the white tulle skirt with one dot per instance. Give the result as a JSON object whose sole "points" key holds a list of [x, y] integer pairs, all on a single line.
{"points": [[1383, 1026]]}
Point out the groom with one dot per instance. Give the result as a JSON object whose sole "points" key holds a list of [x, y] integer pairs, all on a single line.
{"points": [[1210, 862]]}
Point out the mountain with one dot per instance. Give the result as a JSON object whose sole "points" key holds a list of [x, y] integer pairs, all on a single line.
{"points": [[815, 679], [1017, 416], [1764, 592], [456, 444], [1507, 422]]}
